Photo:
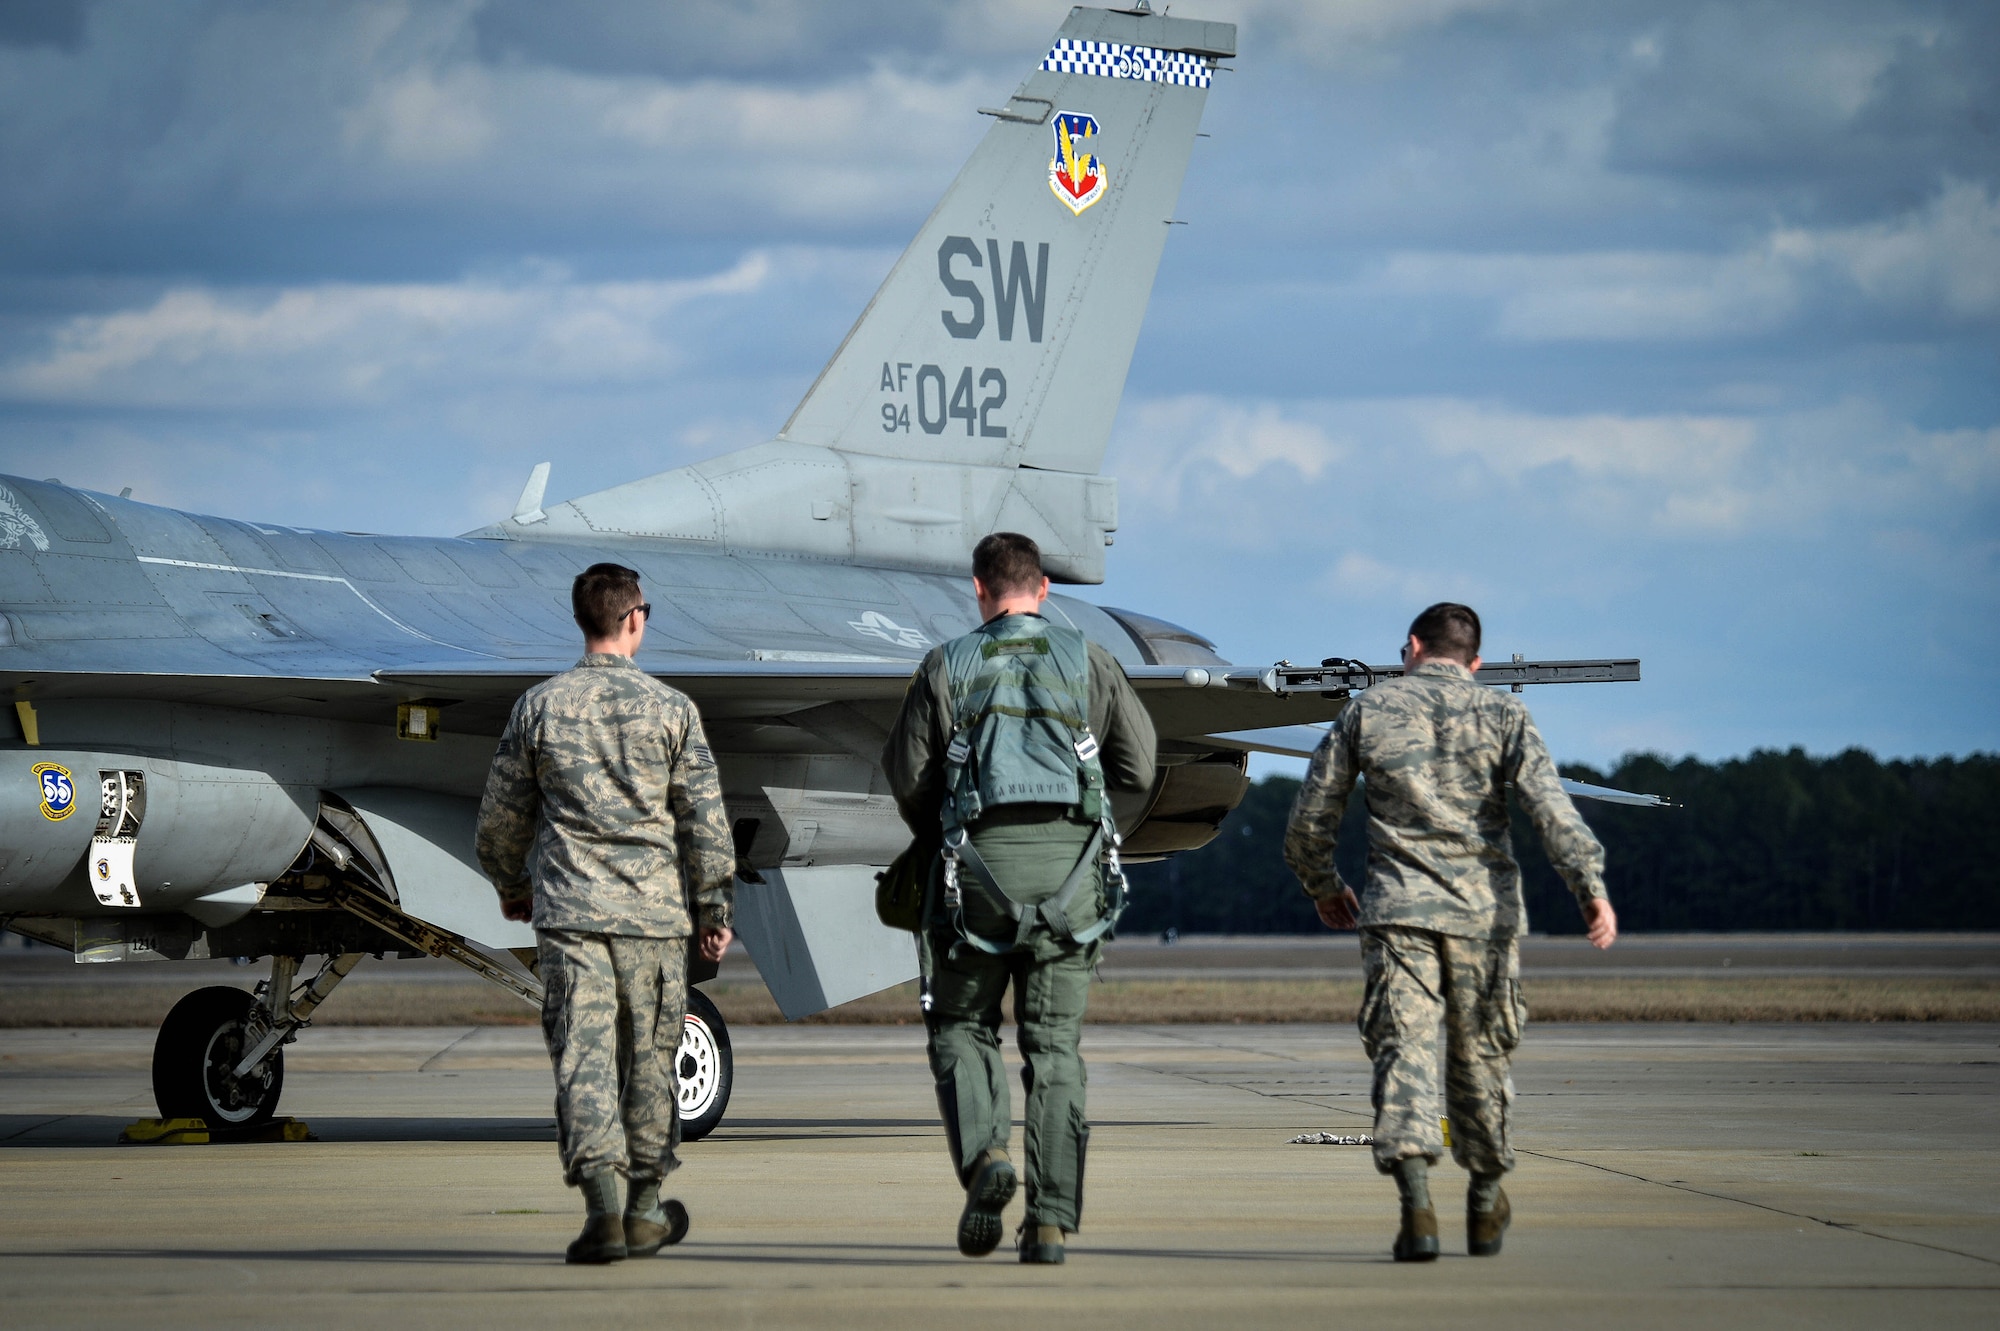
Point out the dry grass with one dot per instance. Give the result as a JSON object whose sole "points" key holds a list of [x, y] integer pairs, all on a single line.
{"points": [[1674, 999]]}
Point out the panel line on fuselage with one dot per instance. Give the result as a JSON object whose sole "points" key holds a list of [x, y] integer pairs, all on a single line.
{"points": [[312, 577]]}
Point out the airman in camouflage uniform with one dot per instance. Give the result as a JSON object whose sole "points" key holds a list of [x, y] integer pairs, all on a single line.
{"points": [[1442, 907], [603, 822]]}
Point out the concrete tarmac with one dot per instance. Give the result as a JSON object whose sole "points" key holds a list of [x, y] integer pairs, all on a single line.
{"points": [[1670, 1176]]}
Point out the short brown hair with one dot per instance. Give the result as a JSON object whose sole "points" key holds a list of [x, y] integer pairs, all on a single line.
{"points": [[1007, 562], [602, 595], [1448, 629]]}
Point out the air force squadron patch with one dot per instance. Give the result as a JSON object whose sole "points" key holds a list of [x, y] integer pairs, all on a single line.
{"points": [[58, 791], [1077, 173]]}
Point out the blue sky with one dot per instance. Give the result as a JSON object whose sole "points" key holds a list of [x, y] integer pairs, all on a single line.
{"points": [[1669, 330]]}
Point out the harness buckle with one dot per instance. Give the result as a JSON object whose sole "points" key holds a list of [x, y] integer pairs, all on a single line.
{"points": [[954, 899]]}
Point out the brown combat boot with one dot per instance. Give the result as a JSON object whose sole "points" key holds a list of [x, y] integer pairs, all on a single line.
{"points": [[603, 1237], [1041, 1245], [602, 1240], [663, 1227], [1417, 1240], [1484, 1228]]}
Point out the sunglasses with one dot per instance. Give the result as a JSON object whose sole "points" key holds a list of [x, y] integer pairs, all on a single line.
{"points": [[644, 609]]}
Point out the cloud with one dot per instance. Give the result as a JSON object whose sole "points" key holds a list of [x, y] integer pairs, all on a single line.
{"points": [[422, 117], [1681, 477], [1858, 108], [1359, 576], [347, 344], [1943, 260], [1939, 263], [1187, 438], [1656, 328], [1338, 30], [224, 118]]}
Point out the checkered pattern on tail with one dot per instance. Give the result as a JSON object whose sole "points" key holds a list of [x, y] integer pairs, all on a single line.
{"points": [[1115, 60]]}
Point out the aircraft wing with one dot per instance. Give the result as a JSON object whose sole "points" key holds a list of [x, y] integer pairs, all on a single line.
{"points": [[1254, 708], [1185, 704]]}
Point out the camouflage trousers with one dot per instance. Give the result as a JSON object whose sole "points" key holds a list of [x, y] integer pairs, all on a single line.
{"points": [[612, 1015], [1413, 980], [1051, 980]]}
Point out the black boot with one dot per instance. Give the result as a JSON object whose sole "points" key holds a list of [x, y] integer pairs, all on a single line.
{"points": [[986, 1196]]}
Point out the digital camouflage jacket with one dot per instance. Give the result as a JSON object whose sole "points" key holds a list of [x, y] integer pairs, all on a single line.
{"points": [[1439, 752], [604, 803]]}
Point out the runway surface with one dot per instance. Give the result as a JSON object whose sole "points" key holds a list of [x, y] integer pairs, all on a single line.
{"points": [[1219, 957], [1670, 1175]]}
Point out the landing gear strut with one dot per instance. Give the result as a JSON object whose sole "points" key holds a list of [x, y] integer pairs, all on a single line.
{"points": [[220, 1053]]}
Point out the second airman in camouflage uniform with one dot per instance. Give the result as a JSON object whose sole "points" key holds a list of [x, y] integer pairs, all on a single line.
{"points": [[603, 822], [1442, 906]]}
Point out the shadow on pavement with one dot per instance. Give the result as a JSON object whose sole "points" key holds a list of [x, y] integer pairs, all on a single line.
{"points": [[747, 1254]]}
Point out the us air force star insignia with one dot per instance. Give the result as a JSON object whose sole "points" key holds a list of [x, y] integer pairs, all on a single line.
{"points": [[875, 624], [1076, 173]]}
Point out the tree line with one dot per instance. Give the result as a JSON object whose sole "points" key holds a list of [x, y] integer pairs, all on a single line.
{"points": [[1773, 841]]}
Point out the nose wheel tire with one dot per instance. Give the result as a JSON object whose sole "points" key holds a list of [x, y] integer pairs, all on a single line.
{"points": [[704, 1068], [195, 1058]]}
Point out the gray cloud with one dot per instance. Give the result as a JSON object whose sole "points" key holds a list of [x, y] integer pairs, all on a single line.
{"points": [[1666, 329], [57, 23]]}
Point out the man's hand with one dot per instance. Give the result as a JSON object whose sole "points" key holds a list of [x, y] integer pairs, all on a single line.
{"points": [[1600, 923], [1339, 912], [523, 909], [714, 942]]}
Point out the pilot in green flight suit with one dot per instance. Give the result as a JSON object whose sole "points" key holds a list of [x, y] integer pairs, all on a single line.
{"points": [[1007, 742]]}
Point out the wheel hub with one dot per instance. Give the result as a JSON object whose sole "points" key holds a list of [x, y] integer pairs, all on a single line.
{"points": [[234, 1099], [697, 1068]]}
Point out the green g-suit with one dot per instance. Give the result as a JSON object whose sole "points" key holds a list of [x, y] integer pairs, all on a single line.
{"points": [[1030, 848]]}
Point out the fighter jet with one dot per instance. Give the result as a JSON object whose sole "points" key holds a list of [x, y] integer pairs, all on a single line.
{"points": [[243, 739]]}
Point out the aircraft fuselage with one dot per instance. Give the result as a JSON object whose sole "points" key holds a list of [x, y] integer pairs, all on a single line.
{"points": [[247, 668]]}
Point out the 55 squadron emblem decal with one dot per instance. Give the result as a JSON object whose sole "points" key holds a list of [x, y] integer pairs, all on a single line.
{"points": [[1077, 173], [58, 791]]}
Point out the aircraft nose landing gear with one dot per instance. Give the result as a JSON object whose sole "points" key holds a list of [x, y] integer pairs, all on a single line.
{"points": [[195, 1058], [220, 1053]]}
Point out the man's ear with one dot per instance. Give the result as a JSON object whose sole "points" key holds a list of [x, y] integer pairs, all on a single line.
{"points": [[1042, 592]]}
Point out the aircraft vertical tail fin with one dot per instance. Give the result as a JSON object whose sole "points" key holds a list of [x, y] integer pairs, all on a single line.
{"points": [[977, 390], [1003, 335]]}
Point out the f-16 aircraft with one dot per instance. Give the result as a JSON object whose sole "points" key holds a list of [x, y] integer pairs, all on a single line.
{"points": [[242, 739]]}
